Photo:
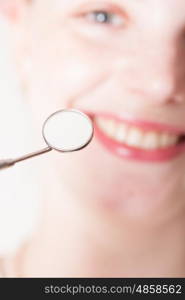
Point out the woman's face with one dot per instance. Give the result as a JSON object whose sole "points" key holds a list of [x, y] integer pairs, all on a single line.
{"points": [[124, 62]]}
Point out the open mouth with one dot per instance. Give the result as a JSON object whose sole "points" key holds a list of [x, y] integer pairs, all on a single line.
{"points": [[138, 140], [137, 137]]}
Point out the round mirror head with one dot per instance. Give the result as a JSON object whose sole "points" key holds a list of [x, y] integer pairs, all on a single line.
{"points": [[68, 130]]}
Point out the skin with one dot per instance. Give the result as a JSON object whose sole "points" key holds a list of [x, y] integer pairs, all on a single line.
{"points": [[127, 222]]}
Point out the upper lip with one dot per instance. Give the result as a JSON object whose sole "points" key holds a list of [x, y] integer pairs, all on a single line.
{"points": [[143, 124]]}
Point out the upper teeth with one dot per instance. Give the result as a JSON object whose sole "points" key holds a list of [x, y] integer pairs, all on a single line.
{"points": [[133, 136]]}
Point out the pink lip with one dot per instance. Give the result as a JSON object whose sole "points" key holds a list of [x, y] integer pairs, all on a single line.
{"points": [[128, 152]]}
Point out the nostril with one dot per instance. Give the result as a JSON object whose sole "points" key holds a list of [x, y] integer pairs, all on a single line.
{"points": [[176, 99], [179, 98]]}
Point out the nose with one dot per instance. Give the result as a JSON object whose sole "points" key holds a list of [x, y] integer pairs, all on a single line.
{"points": [[158, 75], [163, 77], [162, 86]]}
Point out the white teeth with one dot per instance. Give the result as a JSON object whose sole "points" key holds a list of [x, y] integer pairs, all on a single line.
{"points": [[167, 139], [135, 137], [111, 126], [121, 132], [108, 125], [151, 140]]}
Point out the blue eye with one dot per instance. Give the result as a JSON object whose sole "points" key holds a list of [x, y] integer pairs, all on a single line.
{"points": [[103, 17]]}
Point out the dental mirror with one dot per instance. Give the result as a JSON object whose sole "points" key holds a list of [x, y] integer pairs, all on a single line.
{"points": [[66, 130]]}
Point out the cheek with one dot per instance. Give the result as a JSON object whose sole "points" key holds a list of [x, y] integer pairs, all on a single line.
{"points": [[65, 68]]}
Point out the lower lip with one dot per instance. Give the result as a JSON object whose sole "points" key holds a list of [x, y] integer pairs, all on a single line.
{"points": [[124, 151]]}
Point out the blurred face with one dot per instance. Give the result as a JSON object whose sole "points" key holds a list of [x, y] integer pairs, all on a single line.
{"points": [[122, 62]]}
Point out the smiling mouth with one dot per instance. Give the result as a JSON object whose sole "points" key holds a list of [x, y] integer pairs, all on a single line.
{"points": [[139, 140], [136, 137]]}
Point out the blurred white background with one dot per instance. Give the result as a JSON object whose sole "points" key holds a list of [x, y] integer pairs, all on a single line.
{"points": [[18, 186]]}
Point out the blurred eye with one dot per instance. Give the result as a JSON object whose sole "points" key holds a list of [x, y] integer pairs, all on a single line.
{"points": [[105, 18]]}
